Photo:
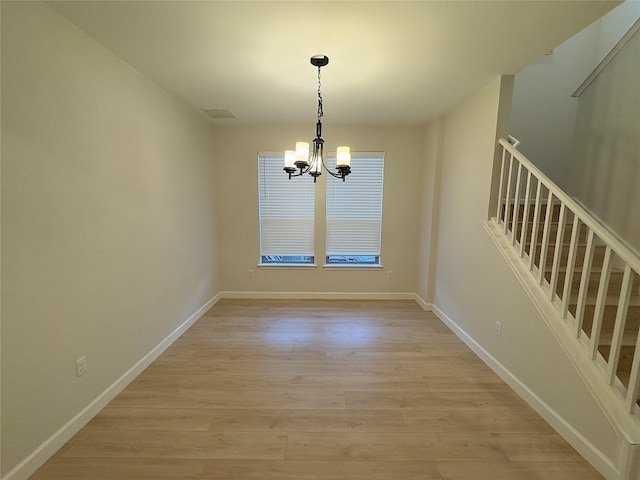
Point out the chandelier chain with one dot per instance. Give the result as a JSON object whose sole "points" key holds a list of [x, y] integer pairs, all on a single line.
{"points": [[320, 110]]}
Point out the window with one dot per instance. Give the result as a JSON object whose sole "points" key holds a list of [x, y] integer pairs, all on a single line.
{"points": [[286, 209], [354, 212]]}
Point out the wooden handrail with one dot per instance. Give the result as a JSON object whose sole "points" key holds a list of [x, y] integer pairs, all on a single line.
{"points": [[624, 251]]}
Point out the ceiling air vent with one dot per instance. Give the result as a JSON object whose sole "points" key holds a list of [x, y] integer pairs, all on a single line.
{"points": [[219, 113]]}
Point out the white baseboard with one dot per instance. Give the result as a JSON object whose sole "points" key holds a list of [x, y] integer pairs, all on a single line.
{"points": [[321, 295], [37, 458], [594, 456], [427, 307]]}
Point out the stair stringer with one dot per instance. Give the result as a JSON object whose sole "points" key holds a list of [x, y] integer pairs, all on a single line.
{"points": [[609, 399]]}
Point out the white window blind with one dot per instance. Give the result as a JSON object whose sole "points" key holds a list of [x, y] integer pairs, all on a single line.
{"points": [[354, 207], [286, 209]]}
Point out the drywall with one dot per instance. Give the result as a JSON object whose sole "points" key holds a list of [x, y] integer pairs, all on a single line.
{"points": [[108, 233], [430, 209], [604, 169], [474, 285], [544, 111], [237, 199], [614, 25]]}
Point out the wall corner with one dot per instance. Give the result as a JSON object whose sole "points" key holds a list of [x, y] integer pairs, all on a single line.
{"points": [[503, 116]]}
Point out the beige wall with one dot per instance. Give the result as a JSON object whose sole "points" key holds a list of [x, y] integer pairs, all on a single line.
{"points": [[605, 165], [544, 111], [474, 286], [108, 222], [238, 232], [430, 208]]}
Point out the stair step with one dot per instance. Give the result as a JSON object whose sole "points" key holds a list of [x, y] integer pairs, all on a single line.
{"points": [[615, 276], [598, 255], [629, 337], [615, 284], [532, 207], [553, 230], [612, 300], [609, 317]]}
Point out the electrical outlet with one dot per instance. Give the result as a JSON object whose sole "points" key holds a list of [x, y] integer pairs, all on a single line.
{"points": [[81, 366], [250, 272], [389, 274], [497, 329]]}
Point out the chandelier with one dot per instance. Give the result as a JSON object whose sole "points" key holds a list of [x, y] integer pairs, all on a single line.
{"points": [[306, 159]]}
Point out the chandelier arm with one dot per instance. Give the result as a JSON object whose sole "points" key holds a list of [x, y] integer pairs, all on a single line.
{"points": [[324, 165], [306, 169], [342, 172], [299, 171], [299, 174], [341, 175]]}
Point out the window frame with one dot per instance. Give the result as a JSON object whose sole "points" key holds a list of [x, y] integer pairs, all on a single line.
{"points": [[340, 259], [271, 210]]}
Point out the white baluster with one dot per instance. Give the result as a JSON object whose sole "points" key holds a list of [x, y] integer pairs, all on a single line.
{"points": [[584, 283], [634, 380], [508, 195], [536, 225], [557, 252], [621, 318], [601, 302], [516, 206], [501, 188], [545, 237], [525, 215], [571, 266]]}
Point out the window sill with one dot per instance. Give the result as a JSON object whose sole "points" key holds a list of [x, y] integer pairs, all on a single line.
{"points": [[288, 265], [351, 266]]}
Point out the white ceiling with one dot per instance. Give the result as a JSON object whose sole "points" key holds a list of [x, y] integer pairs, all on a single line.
{"points": [[391, 62]]}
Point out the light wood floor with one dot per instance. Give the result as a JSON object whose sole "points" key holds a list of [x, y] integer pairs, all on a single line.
{"points": [[329, 390]]}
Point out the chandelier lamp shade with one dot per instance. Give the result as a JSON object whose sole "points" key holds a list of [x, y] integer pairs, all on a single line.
{"points": [[309, 158]]}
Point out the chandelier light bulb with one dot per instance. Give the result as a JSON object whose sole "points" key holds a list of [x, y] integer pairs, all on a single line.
{"points": [[343, 156], [290, 159], [302, 152]]}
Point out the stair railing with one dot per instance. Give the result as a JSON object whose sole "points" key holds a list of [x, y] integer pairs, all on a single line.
{"points": [[589, 275]]}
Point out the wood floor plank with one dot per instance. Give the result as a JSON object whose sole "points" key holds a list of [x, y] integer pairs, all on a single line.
{"points": [[469, 384], [237, 399], [240, 368], [307, 421], [392, 447], [318, 470], [442, 367], [139, 418], [538, 447], [317, 390], [483, 419], [101, 443], [61, 468], [384, 400], [154, 380], [517, 471], [363, 382]]}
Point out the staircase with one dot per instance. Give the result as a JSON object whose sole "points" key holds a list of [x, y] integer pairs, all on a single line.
{"points": [[588, 278], [603, 337]]}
